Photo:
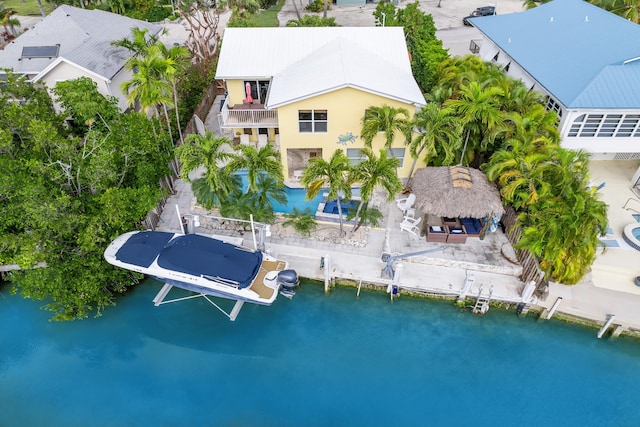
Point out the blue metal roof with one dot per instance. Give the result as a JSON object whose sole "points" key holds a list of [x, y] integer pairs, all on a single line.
{"points": [[581, 54]]}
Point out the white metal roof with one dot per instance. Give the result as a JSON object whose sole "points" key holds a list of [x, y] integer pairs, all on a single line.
{"points": [[308, 61]]}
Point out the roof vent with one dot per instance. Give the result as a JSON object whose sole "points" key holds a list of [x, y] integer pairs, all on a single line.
{"points": [[586, 19], [551, 19]]}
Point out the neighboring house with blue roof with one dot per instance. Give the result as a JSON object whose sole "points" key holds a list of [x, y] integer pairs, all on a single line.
{"points": [[71, 43], [585, 60]]}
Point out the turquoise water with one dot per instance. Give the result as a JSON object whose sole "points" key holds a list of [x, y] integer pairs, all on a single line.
{"points": [[296, 198], [315, 360]]}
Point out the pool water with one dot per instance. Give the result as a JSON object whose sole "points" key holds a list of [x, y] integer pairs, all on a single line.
{"points": [[296, 198], [332, 207], [316, 360]]}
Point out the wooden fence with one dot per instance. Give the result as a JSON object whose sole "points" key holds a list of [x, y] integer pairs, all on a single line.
{"points": [[530, 266], [152, 219]]}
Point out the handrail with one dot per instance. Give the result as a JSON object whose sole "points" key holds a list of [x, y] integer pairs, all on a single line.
{"points": [[627, 202]]}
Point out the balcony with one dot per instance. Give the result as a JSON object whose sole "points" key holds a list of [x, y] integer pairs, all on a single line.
{"points": [[247, 116]]}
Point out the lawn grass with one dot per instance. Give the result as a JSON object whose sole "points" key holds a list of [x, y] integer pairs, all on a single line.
{"points": [[28, 7], [265, 18]]}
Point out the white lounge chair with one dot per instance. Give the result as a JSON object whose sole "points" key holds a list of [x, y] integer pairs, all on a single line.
{"points": [[410, 225], [406, 203]]}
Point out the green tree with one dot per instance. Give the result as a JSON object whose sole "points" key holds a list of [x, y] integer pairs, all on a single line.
{"points": [[437, 132], [333, 174], [148, 85], [390, 121], [312, 21], [301, 221], [479, 109], [270, 190], [210, 152], [67, 193], [256, 162], [519, 168], [564, 233], [425, 49], [373, 172]]}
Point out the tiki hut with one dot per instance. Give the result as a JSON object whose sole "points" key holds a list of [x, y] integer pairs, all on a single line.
{"points": [[456, 192]]}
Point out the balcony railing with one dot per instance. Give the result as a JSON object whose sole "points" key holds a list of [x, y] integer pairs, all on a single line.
{"points": [[247, 116]]}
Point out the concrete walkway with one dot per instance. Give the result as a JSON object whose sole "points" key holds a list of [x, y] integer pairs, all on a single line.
{"points": [[442, 272]]}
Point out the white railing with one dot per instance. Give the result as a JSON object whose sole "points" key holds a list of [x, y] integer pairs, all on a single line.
{"points": [[247, 116]]}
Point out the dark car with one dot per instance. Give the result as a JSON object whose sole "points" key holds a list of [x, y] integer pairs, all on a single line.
{"points": [[481, 11]]}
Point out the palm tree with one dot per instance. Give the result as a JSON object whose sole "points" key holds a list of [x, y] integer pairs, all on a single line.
{"points": [[9, 23], [479, 109], [564, 233], [522, 171], [159, 66], [438, 131], [373, 172], [210, 152], [177, 60], [147, 86], [244, 206], [332, 174], [389, 120], [270, 190], [265, 160], [139, 42], [536, 121]]}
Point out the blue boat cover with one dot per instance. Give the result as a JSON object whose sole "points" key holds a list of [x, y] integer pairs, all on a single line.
{"points": [[198, 255], [142, 248]]}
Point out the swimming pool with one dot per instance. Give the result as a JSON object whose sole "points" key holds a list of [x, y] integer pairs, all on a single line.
{"points": [[296, 198], [316, 360]]}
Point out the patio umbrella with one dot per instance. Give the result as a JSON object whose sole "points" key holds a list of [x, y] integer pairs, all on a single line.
{"points": [[248, 91], [456, 192]]}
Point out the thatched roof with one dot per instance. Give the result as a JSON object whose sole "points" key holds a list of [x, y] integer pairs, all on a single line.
{"points": [[455, 192]]}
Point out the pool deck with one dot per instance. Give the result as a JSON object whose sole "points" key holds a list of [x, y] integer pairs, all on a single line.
{"points": [[605, 292]]}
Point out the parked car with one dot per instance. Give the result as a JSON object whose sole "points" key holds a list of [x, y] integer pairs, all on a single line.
{"points": [[481, 11]]}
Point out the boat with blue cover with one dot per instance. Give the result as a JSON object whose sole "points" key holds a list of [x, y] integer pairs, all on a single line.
{"points": [[204, 265]]}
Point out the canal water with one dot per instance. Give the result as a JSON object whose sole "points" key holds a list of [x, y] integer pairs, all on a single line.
{"points": [[316, 360]]}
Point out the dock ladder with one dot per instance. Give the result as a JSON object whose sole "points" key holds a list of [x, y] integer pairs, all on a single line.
{"points": [[482, 302]]}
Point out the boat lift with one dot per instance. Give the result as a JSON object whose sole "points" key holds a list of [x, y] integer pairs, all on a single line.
{"points": [[388, 272], [186, 227], [160, 299]]}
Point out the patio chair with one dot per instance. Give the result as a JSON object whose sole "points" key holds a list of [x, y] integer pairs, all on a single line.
{"points": [[410, 225], [406, 203]]}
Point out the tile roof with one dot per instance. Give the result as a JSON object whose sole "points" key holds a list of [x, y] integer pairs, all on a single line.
{"points": [[84, 37], [305, 62], [581, 54]]}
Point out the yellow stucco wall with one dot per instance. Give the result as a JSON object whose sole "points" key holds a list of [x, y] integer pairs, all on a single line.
{"points": [[345, 109]]}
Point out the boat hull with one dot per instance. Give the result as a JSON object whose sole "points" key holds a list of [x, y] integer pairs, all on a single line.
{"points": [[199, 264]]}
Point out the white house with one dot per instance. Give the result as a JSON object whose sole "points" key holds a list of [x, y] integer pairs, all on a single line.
{"points": [[585, 60], [72, 43]]}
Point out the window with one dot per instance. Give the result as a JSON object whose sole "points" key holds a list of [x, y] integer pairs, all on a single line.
{"points": [[355, 155], [263, 131], [605, 126], [398, 153], [312, 121], [259, 90], [553, 105]]}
